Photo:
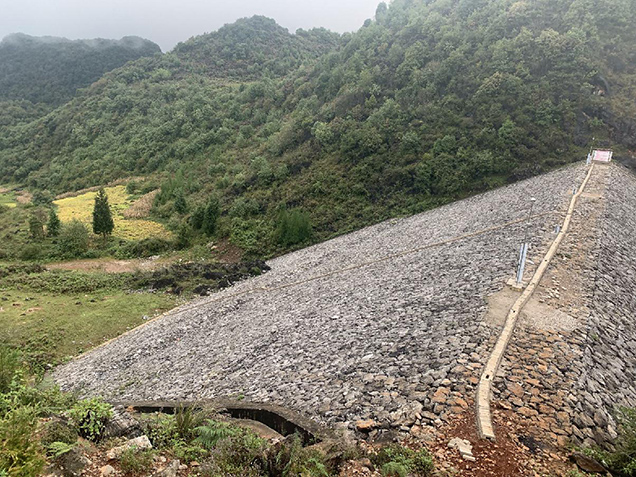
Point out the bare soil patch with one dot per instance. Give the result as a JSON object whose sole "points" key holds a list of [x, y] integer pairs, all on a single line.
{"points": [[109, 265], [140, 209], [513, 454]]}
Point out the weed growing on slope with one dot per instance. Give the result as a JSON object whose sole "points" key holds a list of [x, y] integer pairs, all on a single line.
{"points": [[397, 460], [91, 416]]}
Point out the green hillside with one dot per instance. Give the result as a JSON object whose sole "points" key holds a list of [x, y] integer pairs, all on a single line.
{"points": [[300, 137], [49, 70]]}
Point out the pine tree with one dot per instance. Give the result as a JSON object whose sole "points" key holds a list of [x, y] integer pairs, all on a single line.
{"points": [[102, 218], [210, 216], [53, 227]]}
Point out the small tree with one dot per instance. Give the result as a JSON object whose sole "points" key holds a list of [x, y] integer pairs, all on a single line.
{"points": [[102, 218], [294, 227], [36, 227], [73, 240], [53, 227], [180, 204], [210, 216]]}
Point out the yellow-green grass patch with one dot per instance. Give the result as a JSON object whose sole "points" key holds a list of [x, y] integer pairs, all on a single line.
{"points": [[7, 198], [81, 208]]}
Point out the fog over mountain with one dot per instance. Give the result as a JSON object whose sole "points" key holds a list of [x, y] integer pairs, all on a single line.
{"points": [[168, 22]]}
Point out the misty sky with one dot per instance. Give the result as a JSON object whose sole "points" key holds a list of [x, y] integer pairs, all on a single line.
{"points": [[167, 22]]}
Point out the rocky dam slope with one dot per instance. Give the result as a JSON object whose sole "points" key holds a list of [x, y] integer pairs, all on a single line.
{"points": [[393, 323]]}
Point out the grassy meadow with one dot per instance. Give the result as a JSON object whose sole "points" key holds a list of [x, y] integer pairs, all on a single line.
{"points": [[7, 198], [50, 328]]}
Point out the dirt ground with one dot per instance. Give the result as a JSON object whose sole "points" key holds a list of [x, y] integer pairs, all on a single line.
{"points": [[513, 454], [108, 265]]}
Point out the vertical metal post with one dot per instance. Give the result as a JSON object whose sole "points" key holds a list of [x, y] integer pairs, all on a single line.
{"points": [[523, 253]]}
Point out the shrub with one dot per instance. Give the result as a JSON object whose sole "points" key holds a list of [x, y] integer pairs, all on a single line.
{"points": [[188, 452], [9, 365], [58, 449], [395, 459], [20, 453], [244, 208], [36, 227], [294, 227], [58, 431], [143, 248], [187, 422], [240, 454], [210, 434], [133, 460], [73, 241], [90, 416], [623, 460], [160, 429], [211, 216], [293, 459], [31, 252], [53, 226], [394, 469], [250, 235]]}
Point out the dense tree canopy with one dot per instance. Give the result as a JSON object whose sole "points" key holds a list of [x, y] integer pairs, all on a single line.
{"points": [[431, 101]]}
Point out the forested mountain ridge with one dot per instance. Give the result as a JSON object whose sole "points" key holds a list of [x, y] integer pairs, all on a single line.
{"points": [[50, 70], [431, 101], [254, 47]]}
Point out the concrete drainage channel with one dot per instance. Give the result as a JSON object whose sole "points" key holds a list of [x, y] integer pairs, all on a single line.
{"points": [[277, 418]]}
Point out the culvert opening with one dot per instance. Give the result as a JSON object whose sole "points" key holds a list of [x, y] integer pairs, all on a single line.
{"points": [[281, 420], [276, 422]]}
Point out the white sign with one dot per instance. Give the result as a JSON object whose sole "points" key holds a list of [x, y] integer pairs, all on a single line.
{"points": [[602, 155]]}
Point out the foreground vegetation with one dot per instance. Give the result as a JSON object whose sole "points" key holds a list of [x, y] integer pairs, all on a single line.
{"points": [[40, 425]]}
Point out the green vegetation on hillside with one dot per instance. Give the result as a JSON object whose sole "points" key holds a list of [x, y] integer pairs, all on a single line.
{"points": [[429, 102], [50, 70]]}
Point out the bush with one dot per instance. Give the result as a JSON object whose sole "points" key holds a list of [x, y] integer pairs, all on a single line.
{"points": [[623, 460], [211, 216], [58, 449], [20, 453], [90, 416], [58, 431], [133, 460], [31, 252], [144, 248], [396, 460], [9, 365], [73, 240], [210, 434], [242, 454], [160, 429], [187, 421], [294, 227], [293, 459], [250, 235]]}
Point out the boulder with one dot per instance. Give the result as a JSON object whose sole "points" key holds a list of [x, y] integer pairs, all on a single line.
{"points": [[170, 471], [122, 424], [139, 443], [73, 463], [587, 463]]}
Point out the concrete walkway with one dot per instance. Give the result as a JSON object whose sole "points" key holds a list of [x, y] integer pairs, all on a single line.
{"points": [[484, 419]]}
